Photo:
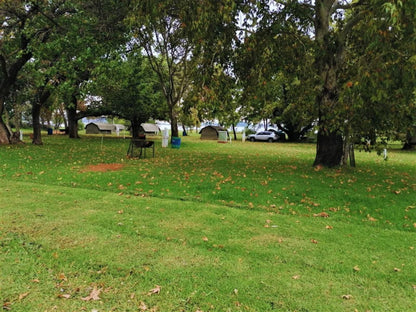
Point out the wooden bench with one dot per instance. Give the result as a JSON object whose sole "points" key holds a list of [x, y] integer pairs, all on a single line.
{"points": [[139, 147]]}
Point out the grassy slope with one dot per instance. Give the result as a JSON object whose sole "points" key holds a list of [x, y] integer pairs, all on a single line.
{"points": [[226, 227]]}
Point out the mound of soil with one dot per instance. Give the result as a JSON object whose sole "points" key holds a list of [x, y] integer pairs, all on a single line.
{"points": [[103, 168]]}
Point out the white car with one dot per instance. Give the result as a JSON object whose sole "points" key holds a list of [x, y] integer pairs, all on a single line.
{"points": [[268, 136]]}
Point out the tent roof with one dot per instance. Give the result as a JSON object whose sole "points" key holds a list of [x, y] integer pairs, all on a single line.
{"points": [[216, 128], [102, 126], [148, 127]]}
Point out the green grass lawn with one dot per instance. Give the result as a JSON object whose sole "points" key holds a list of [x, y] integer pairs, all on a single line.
{"points": [[207, 227]]}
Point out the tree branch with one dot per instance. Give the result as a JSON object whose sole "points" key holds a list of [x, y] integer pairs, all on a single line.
{"points": [[345, 6], [350, 24], [3, 66]]}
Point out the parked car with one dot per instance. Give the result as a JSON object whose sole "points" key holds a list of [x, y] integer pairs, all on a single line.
{"points": [[268, 136], [281, 136]]}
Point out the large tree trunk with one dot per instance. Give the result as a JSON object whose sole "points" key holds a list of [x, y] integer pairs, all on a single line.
{"points": [[330, 145], [173, 120], [73, 118], [37, 137], [329, 149], [135, 128], [72, 123], [410, 142]]}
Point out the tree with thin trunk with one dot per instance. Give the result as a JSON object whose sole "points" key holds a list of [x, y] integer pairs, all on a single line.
{"points": [[128, 88], [163, 35]]}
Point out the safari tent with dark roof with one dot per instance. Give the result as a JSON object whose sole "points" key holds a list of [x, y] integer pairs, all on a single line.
{"points": [[211, 132], [149, 128], [101, 128]]}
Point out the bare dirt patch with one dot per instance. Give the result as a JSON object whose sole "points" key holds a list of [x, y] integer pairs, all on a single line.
{"points": [[103, 168]]}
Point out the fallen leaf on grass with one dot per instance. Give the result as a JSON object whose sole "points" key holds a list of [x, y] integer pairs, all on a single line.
{"points": [[356, 268], [295, 277], [205, 239], [155, 290], [347, 297], [23, 296], [62, 277], [94, 295], [64, 296], [6, 306], [321, 214], [318, 168], [142, 306], [328, 227], [397, 270], [314, 241]]}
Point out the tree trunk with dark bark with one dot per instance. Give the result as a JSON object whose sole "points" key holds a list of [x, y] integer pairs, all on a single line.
{"points": [[329, 150], [37, 137], [135, 128], [330, 145], [235, 133], [410, 142], [173, 120], [72, 123]]}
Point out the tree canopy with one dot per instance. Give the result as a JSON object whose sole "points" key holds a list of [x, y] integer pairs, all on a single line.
{"points": [[128, 89]]}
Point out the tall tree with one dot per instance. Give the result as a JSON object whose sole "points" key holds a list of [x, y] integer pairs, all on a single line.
{"points": [[162, 33], [78, 31], [127, 87], [183, 38], [25, 25], [386, 31], [335, 22], [95, 29]]}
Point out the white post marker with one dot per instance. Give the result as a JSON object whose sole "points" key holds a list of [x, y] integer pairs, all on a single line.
{"points": [[165, 138]]}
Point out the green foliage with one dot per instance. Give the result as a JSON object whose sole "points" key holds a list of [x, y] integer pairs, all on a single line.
{"points": [[128, 88], [219, 99], [379, 76], [275, 69]]}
